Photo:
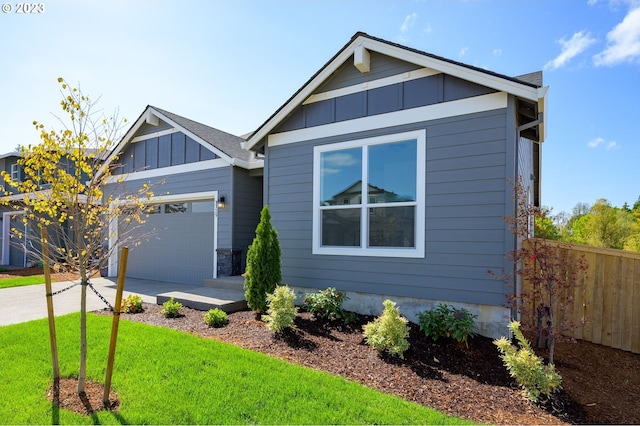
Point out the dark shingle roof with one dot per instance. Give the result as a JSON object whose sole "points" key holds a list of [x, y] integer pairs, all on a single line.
{"points": [[225, 142]]}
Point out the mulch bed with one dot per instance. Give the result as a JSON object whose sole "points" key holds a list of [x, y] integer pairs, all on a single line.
{"points": [[600, 384]]}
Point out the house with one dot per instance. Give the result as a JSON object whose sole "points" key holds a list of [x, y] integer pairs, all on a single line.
{"points": [[13, 249], [207, 202], [444, 137]]}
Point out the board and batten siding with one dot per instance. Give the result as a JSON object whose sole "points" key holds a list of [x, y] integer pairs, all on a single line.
{"points": [[381, 66], [467, 163]]}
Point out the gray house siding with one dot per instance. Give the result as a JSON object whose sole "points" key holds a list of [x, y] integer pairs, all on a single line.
{"points": [[218, 179], [246, 204], [410, 94], [381, 66], [167, 150], [467, 163]]}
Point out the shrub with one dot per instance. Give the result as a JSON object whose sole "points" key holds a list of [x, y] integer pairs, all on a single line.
{"points": [[263, 264], [447, 321], [526, 367], [171, 308], [215, 317], [328, 304], [389, 331], [132, 304], [282, 311]]}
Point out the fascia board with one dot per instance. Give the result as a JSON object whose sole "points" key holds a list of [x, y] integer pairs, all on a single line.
{"points": [[304, 93], [123, 142], [542, 109], [249, 165]]}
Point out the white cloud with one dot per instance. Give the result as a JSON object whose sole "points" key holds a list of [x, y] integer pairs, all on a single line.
{"points": [[497, 52], [609, 146], [409, 22], [340, 160], [463, 52], [612, 145], [578, 43], [595, 142], [623, 41]]}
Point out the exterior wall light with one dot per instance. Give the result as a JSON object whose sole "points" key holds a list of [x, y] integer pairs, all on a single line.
{"points": [[222, 202]]}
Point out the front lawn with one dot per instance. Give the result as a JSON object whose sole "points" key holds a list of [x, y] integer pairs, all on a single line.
{"points": [[164, 376], [21, 281]]}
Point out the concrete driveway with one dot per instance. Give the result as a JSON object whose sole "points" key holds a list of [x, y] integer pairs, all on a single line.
{"points": [[21, 304]]}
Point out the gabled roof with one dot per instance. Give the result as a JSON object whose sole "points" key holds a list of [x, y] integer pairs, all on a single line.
{"points": [[525, 87], [225, 142], [225, 145]]}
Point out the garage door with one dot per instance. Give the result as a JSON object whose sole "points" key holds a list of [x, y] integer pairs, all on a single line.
{"points": [[182, 250]]}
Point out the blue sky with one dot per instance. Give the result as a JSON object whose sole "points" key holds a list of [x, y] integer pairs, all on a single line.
{"points": [[231, 64]]}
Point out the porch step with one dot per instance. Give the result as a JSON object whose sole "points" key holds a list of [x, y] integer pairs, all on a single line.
{"points": [[205, 298], [229, 283]]}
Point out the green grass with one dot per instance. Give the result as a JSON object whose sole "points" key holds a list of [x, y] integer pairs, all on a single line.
{"points": [[22, 281], [163, 376]]}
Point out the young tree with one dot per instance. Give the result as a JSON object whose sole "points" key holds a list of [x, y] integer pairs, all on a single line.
{"points": [[62, 191], [263, 272], [547, 274]]}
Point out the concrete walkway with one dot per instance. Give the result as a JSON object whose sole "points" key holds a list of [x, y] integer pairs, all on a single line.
{"points": [[21, 304]]}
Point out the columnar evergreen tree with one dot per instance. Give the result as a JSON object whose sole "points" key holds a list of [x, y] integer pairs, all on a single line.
{"points": [[62, 189], [263, 272]]}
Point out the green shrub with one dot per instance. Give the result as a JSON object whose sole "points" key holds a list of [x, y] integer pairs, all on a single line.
{"points": [[215, 317], [171, 308], [389, 331], [131, 304], [263, 272], [447, 321], [327, 304], [526, 367], [281, 311]]}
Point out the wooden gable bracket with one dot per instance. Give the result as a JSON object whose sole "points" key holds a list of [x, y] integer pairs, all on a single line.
{"points": [[152, 119], [361, 59]]}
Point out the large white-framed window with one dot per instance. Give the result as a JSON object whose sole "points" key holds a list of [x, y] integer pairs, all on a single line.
{"points": [[369, 196]]}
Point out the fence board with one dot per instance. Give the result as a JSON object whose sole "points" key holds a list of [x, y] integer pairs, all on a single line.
{"points": [[626, 336], [635, 328], [590, 284], [598, 300], [607, 299]]}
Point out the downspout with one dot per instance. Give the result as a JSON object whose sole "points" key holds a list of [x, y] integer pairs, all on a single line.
{"points": [[516, 289]]}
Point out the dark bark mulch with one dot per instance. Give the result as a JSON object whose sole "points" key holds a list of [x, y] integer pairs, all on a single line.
{"points": [[600, 384]]}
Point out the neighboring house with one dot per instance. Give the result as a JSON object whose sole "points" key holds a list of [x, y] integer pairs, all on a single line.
{"points": [[20, 245], [443, 137], [207, 208], [13, 249]]}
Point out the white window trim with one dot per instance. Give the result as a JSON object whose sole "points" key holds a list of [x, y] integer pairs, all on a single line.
{"points": [[15, 173], [414, 252]]}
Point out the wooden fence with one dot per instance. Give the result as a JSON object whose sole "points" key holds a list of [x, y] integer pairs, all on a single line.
{"points": [[607, 298]]}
